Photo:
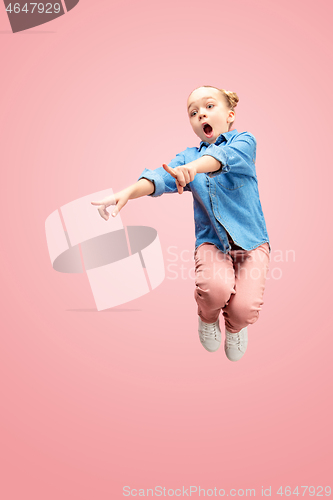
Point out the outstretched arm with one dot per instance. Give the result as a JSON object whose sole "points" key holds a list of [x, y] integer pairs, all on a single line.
{"points": [[141, 188]]}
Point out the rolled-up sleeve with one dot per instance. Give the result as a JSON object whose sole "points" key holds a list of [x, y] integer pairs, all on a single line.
{"points": [[163, 181], [237, 157]]}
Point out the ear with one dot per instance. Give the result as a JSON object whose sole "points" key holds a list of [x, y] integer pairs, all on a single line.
{"points": [[231, 117]]}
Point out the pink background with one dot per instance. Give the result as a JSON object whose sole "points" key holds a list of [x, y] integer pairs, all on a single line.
{"points": [[94, 401]]}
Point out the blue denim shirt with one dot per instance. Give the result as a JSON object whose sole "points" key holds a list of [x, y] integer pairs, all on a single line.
{"points": [[226, 200]]}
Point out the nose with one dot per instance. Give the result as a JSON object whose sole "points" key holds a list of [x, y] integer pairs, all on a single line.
{"points": [[202, 114]]}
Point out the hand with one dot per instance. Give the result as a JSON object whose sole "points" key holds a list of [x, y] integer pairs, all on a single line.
{"points": [[183, 175], [119, 199]]}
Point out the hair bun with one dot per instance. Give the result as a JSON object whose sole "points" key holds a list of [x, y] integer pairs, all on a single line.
{"points": [[232, 97]]}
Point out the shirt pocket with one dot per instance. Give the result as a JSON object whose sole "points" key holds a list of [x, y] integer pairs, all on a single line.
{"points": [[229, 182]]}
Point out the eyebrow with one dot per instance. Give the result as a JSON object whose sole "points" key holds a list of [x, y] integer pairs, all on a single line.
{"points": [[210, 97]]}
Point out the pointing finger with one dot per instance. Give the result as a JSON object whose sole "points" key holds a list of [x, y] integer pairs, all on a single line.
{"points": [[168, 169]]}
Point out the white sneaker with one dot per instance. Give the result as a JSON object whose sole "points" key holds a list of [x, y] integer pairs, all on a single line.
{"points": [[235, 344], [210, 335]]}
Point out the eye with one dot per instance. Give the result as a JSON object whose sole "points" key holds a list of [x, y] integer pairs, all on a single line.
{"points": [[210, 106], [193, 113]]}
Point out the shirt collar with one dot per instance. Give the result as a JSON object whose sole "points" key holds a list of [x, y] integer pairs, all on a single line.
{"points": [[221, 138]]}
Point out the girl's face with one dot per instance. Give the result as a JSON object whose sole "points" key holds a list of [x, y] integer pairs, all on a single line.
{"points": [[208, 113]]}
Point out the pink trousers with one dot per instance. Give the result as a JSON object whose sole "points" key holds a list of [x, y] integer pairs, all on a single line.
{"points": [[233, 283]]}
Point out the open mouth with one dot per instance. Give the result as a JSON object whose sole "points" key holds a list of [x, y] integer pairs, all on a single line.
{"points": [[208, 130]]}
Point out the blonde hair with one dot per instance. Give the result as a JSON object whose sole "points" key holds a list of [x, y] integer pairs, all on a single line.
{"points": [[230, 98]]}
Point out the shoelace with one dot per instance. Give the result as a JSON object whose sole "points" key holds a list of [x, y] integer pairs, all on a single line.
{"points": [[210, 331], [233, 339]]}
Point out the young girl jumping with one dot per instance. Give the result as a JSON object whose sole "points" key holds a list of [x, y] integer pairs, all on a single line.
{"points": [[232, 249]]}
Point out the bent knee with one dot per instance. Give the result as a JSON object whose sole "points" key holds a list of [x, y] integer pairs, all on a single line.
{"points": [[215, 293], [243, 314]]}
